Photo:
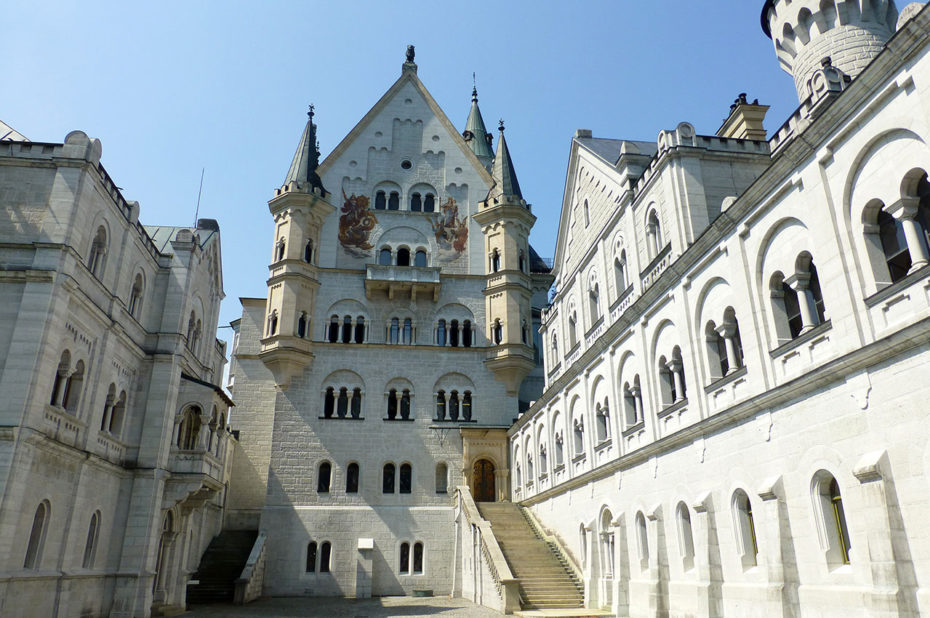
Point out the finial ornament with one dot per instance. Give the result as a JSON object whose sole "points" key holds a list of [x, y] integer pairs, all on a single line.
{"points": [[310, 112], [500, 126], [474, 89], [411, 54]]}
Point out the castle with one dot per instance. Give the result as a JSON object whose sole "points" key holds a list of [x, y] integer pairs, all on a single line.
{"points": [[718, 410]]}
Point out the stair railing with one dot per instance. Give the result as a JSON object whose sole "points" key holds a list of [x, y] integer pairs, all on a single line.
{"points": [[508, 587], [554, 542], [250, 581]]}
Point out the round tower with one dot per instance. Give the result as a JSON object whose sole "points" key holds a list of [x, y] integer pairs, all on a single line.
{"points": [[849, 32]]}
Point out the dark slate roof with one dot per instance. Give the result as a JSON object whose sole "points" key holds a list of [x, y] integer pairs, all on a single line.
{"points": [[475, 132], [537, 264], [505, 177], [306, 160], [162, 235], [610, 149]]}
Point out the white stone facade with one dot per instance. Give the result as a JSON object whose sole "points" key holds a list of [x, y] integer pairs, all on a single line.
{"points": [[113, 447], [388, 336], [740, 427]]}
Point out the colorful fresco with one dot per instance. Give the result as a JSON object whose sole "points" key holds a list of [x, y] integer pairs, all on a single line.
{"points": [[451, 232], [355, 224]]}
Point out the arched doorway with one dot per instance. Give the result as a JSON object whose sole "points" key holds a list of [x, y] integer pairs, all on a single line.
{"points": [[483, 481]]}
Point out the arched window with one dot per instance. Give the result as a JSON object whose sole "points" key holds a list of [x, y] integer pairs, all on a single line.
{"points": [[832, 528], [394, 201], [392, 405], [572, 330], [587, 216], [73, 387], [416, 203], [326, 551], [797, 301], [454, 405], [466, 406], [716, 351], [405, 405], [395, 331], [429, 204], [356, 403], [579, 436], [559, 450], [894, 245], [352, 478], [360, 329], [387, 478], [524, 333], [498, 332], [347, 329], [311, 553], [685, 536], [380, 200], [653, 235], [441, 406], [115, 426], [594, 303], [329, 403], [302, 325], [442, 478], [272, 329], [333, 329], [454, 334], [36, 542], [324, 477], [495, 261], [90, 545], [441, 333], [603, 421], [408, 331], [403, 256], [384, 256], [418, 558], [279, 250], [466, 334], [521, 262], [108, 404], [555, 348], [308, 252], [189, 428], [745, 529], [342, 403], [61, 377], [98, 252], [135, 297], [406, 478], [666, 382], [404, 559], [420, 258], [620, 273], [642, 540], [543, 461]]}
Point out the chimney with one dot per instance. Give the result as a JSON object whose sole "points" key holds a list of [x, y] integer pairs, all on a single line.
{"points": [[745, 120]]}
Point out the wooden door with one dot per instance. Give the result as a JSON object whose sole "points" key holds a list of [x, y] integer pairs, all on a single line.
{"points": [[483, 479]]}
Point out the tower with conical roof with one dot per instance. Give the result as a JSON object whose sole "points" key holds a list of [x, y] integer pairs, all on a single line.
{"points": [[299, 208], [475, 134], [506, 221]]}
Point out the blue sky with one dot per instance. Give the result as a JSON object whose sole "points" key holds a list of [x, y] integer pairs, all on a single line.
{"points": [[173, 87]]}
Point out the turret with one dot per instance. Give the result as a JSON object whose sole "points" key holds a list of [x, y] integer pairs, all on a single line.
{"points": [[506, 221], [475, 134], [807, 32], [299, 208]]}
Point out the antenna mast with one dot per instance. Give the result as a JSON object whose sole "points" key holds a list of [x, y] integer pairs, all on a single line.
{"points": [[199, 193]]}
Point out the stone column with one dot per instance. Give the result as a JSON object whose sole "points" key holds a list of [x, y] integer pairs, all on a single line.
{"points": [[800, 283], [675, 366], [60, 389], [638, 403], [905, 211], [107, 410], [728, 332]]}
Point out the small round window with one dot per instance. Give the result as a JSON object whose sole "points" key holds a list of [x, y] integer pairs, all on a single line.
{"points": [[406, 164]]}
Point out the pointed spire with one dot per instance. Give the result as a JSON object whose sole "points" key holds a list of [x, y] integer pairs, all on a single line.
{"points": [[505, 187], [475, 134], [306, 160]]}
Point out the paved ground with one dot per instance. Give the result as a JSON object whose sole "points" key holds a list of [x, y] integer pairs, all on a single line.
{"points": [[383, 607]]}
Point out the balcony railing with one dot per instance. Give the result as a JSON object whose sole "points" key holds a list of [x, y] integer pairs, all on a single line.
{"points": [[657, 266], [407, 280]]}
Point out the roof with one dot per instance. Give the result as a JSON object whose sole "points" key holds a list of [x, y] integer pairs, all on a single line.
{"points": [[216, 389], [476, 135], [9, 134], [537, 264], [765, 17], [505, 177], [306, 159], [609, 150], [163, 235]]}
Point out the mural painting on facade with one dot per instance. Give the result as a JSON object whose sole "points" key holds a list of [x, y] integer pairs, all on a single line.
{"points": [[355, 224], [451, 231]]}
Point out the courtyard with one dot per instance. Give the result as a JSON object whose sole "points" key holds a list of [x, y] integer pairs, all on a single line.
{"points": [[380, 607]]}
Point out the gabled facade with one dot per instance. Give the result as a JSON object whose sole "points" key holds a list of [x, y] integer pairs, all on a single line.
{"points": [[737, 347], [113, 446], [386, 362]]}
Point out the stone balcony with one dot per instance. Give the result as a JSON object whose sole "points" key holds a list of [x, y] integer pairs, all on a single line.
{"points": [[196, 475], [412, 281]]}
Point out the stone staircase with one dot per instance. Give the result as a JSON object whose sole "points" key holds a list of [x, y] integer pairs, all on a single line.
{"points": [[546, 581], [219, 567]]}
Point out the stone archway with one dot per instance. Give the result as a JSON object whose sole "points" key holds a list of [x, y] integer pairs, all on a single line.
{"points": [[483, 483]]}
